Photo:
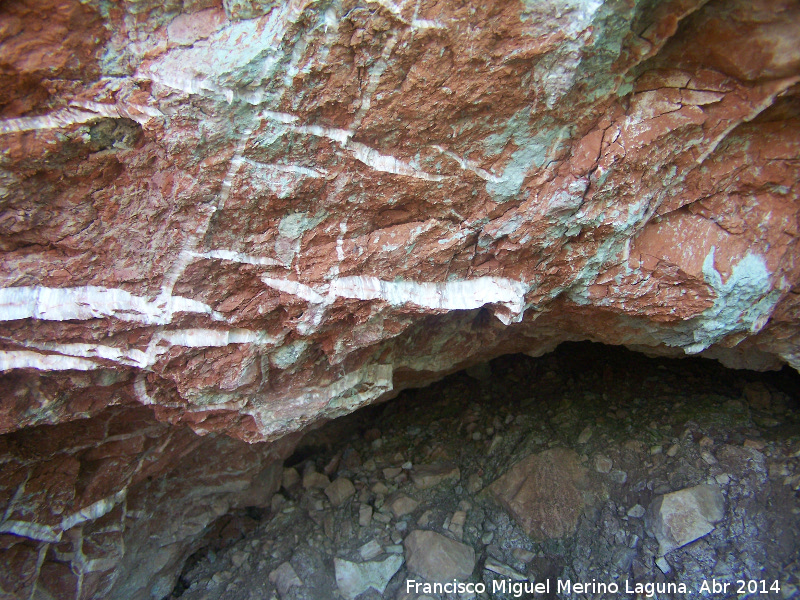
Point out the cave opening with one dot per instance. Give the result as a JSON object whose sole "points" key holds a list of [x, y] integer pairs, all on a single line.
{"points": [[593, 471]]}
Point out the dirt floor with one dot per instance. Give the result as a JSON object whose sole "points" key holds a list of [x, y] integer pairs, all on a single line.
{"points": [[614, 435]]}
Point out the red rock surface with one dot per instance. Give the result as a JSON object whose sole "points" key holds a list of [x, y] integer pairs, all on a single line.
{"points": [[245, 218]]}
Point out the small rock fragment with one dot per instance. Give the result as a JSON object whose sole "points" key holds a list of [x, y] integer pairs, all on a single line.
{"points": [[585, 435], [391, 472], [290, 478], [438, 558], [474, 483], [427, 476], [636, 511], [673, 450], [618, 477], [354, 579], [339, 491], [364, 515], [522, 555], [504, 570], [544, 493], [602, 464], [456, 526], [370, 550], [681, 517], [312, 479], [284, 578], [401, 505]]}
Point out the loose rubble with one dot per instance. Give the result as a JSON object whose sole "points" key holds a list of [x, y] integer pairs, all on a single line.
{"points": [[591, 463]]}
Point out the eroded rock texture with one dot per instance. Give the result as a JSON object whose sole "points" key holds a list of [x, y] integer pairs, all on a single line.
{"points": [[246, 218]]}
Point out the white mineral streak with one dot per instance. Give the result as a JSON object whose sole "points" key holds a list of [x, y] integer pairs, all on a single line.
{"points": [[75, 355], [469, 165], [80, 112], [93, 302], [140, 387], [451, 295], [206, 338], [340, 136], [25, 359], [388, 164], [295, 288], [33, 531], [295, 169], [93, 511], [238, 257], [44, 533]]}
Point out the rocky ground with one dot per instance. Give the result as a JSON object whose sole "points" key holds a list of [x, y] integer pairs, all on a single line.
{"points": [[591, 464]]}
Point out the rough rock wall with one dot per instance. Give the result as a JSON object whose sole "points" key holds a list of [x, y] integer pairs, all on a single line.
{"points": [[243, 219]]}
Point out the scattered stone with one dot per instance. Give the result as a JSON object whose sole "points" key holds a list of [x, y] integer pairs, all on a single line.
{"points": [[391, 472], [290, 478], [673, 450], [339, 491], [401, 505], [382, 517], [380, 488], [456, 526], [312, 479], [428, 476], [755, 444], [504, 570], [284, 578], [354, 579], [543, 493], [276, 502], [637, 511], [238, 557], [618, 477], [333, 464], [708, 458], [602, 464], [364, 515], [682, 517], [370, 550], [474, 483], [522, 555], [723, 479], [438, 558], [663, 565], [585, 435], [424, 519]]}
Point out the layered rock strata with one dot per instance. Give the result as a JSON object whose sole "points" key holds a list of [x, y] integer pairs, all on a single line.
{"points": [[246, 218]]}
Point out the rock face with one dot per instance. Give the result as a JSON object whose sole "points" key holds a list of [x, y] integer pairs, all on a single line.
{"points": [[245, 218]]}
